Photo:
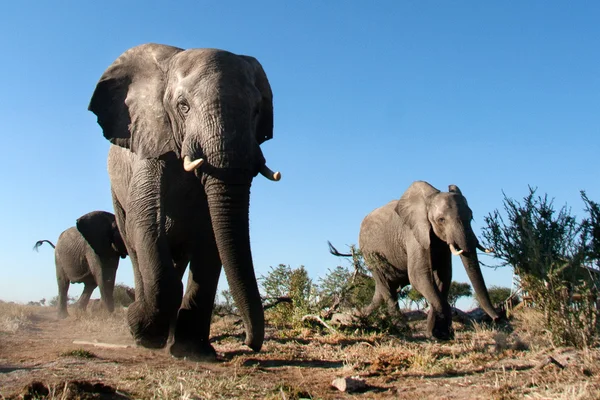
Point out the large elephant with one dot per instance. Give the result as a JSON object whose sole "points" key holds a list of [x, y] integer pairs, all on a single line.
{"points": [[410, 241], [88, 253], [187, 127]]}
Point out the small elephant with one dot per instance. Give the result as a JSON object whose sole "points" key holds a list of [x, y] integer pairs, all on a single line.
{"points": [[410, 241], [88, 253], [186, 128]]}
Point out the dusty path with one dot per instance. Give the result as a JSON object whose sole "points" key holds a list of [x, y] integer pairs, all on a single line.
{"points": [[289, 367]]}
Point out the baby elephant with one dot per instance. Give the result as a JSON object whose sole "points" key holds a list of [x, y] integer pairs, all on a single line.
{"points": [[410, 241], [89, 254]]}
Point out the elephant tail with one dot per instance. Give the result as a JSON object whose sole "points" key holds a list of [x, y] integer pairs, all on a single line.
{"points": [[41, 242], [335, 252]]}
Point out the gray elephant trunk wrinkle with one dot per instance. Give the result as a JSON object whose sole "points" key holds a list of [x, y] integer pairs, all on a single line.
{"points": [[229, 206], [471, 264]]}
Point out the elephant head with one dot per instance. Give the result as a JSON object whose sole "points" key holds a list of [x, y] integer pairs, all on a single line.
{"points": [[446, 215], [212, 109], [99, 229]]}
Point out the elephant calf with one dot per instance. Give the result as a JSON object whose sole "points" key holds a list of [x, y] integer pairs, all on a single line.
{"points": [[410, 241], [88, 253]]}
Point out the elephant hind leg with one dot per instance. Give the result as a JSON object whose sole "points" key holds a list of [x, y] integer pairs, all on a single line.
{"points": [[63, 290], [192, 328], [84, 299]]}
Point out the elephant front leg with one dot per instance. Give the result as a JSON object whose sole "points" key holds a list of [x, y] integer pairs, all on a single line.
{"points": [[192, 329], [439, 319], [158, 287]]}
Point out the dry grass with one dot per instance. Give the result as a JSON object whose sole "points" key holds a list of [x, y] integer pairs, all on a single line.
{"points": [[482, 362], [15, 317]]}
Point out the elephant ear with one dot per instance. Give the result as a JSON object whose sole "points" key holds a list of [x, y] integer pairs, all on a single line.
{"points": [[96, 228], [128, 101], [413, 208], [454, 189], [264, 129]]}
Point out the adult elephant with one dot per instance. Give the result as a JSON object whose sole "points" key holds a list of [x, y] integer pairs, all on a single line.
{"points": [[410, 241], [187, 127], [88, 253]]}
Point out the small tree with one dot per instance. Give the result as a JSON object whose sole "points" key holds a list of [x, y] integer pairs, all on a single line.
{"points": [[224, 304], [458, 290], [123, 295], [417, 298], [499, 294], [551, 252], [347, 288], [295, 284]]}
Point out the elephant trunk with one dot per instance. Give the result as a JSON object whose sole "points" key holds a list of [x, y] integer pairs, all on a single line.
{"points": [[229, 204], [467, 242]]}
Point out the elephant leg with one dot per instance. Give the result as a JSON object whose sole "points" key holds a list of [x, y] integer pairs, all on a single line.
{"points": [[63, 290], [375, 303], [439, 319], [192, 329], [158, 289], [84, 299], [106, 284]]}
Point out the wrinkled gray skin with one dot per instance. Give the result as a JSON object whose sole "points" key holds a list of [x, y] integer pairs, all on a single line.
{"points": [[407, 241], [88, 253], [160, 104]]}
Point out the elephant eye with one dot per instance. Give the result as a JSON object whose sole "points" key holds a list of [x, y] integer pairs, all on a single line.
{"points": [[441, 220], [183, 106]]}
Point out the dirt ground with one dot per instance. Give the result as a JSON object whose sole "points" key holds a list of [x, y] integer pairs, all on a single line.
{"points": [[38, 359]]}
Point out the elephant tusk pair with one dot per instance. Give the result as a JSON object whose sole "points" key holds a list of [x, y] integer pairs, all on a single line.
{"points": [[267, 173], [190, 165], [454, 251], [480, 247]]}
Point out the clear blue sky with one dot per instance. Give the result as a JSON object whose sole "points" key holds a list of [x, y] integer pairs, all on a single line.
{"points": [[368, 96]]}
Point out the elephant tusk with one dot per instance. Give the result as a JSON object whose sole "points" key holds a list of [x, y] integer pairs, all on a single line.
{"points": [[454, 251], [190, 165], [267, 173], [480, 247]]}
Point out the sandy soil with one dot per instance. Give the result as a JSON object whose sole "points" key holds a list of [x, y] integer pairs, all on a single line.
{"points": [[38, 359]]}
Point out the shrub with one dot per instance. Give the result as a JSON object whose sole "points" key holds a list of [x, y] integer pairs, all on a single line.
{"points": [[553, 256], [293, 284], [123, 295]]}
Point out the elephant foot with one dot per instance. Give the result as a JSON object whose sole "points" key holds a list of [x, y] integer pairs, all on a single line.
{"points": [[199, 352], [148, 331]]}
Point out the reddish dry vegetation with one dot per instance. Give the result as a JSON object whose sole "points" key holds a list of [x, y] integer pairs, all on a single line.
{"points": [[38, 359]]}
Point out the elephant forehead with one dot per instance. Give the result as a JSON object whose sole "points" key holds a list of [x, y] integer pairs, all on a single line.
{"points": [[207, 62]]}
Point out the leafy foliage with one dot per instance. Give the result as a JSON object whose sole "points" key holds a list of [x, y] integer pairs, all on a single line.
{"points": [[284, 281], [552, 254], [224, 304], [123, 295], [458, 290], [498, 294]]}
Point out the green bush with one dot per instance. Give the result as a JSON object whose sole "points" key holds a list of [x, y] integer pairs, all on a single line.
{"points": [[123, 295], [554, 256], [293, 284]]}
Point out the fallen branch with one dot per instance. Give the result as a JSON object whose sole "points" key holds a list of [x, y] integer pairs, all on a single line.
{"points": [[278, 300], [100, 344], [549, 360], [319, 320]]}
